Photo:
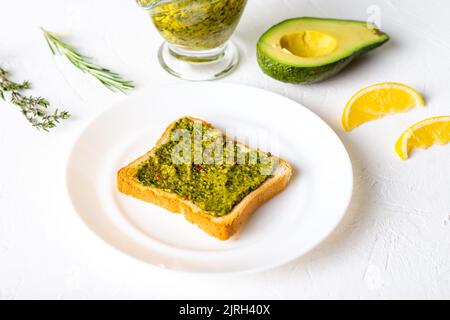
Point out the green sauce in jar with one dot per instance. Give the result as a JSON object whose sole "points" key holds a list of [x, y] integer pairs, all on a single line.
{"points": [[196, 24]]}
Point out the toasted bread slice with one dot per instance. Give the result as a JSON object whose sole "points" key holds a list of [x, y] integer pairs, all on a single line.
{"points": [[221, 227]]}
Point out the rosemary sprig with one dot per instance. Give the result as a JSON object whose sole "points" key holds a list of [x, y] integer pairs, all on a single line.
{"points": [[33, 108], [108, 78]]}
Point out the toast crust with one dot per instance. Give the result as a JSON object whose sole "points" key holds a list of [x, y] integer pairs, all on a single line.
{"points": [[222, 227]]}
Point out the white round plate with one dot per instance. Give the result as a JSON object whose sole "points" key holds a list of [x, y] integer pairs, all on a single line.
{"points": [[281, 230]]}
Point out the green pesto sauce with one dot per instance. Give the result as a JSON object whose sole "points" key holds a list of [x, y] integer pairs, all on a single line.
{"points": [[197, 24], [219, 182]]}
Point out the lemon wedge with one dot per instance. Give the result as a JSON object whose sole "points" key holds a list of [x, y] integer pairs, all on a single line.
{"points": [[424, 134], [377, 101]]}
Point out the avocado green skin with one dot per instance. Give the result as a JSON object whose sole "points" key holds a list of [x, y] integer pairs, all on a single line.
{"points": [[304, 75]]}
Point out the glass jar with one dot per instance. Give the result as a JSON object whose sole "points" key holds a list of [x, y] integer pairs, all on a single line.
{"points": [[197, 34]]}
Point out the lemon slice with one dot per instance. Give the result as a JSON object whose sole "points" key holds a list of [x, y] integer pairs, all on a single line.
{"points": [[377, 101], [424, 134]]}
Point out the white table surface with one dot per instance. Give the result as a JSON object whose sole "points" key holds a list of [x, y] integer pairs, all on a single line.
{"points": [[394, 241]]}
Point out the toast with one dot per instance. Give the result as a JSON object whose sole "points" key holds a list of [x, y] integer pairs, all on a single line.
{"points": [[221, 227]]}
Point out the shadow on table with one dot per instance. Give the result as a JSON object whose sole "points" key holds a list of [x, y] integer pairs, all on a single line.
{"points": [[347, 233]]}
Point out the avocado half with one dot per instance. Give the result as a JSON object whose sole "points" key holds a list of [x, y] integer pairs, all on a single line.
{"points": [[307, 50]]}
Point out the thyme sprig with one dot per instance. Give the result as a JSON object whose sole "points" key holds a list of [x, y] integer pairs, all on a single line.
{"points": [[35, 109], [108, 78]]}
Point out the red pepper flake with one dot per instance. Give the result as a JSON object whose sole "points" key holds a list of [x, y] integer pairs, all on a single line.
{"points": [[158, 176], [186, 197], [198, 167]]}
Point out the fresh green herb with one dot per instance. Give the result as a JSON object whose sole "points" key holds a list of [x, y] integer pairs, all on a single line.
{"points": [[35, 109], [111, 80]]}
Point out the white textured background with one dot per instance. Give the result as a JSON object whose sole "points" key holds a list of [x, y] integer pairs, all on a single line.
{"points": [[394, 241]]}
